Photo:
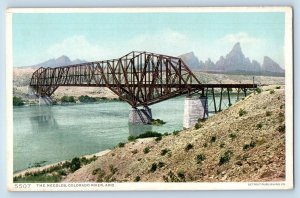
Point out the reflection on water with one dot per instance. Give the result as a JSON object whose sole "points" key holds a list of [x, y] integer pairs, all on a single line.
{"points": [[43, 120], [138, 129]]}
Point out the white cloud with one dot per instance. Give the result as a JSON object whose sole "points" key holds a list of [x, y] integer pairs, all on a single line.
{"points": [[166, 41], [76, 47], [241, 37]]}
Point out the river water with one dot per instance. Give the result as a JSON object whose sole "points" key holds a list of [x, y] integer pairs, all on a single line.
{"points": [[50, 134]]}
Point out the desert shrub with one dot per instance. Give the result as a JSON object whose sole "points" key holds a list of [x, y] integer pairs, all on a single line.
{"points": [[242, 112], [225, 157], [181, 174], [205, 145], [95, 171], [268, 113], [272, 91], [188, 147], [121, 144], [198, 126], [137, 179], [232, 135], [157, 122], [148, 134], [164, 151], [277, 87], [113, 169], [259, 126], [249, 146], [75, 164], [17, 101], [69, 99], [158, 138], [166, 134], [281, 106], [131, 138], [171, 177], [176, 132], [281, 128], [213, 139], [200, 158], [222, 145], [86, 99], [153, 167], [146, 150], [258, 90], [160, 164], [135, 151]]}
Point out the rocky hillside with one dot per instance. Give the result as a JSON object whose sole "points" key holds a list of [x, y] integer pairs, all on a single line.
{"points": [[245, 142]]}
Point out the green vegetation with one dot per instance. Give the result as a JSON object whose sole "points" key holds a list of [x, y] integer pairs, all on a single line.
{"points": [[131, 138], [112, 169], [54, 173], [200, 158], [181, 174], [213, 139], [268, 113], [75, 164], [249, 146], [281, 128], [157, 122], [232, 136], [86, 99], [165, 151], [160, 164], [258, 90], [153, 167], [121, 144], [272, 91], [188, 147], [158, 138], [259, 126], [198, 126], [176, 132], [137, 179], [225, 157], [222, 145], [242, 112], [146, 150], [68, 99], [17, 101], [149, 134], [171, 177]]}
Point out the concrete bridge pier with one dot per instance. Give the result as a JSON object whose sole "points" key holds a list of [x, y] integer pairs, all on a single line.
{"points": [[195, 107], [140, 116], [45, 100]]}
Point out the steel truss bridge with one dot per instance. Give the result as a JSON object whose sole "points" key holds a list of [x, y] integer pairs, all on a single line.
{"points": [[139, 78]]}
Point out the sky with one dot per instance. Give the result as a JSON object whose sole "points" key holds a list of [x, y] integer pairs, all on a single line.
{"points": [[100, 36]]}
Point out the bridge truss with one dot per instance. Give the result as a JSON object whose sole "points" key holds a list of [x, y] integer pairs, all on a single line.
{"points": [[139, 78]]}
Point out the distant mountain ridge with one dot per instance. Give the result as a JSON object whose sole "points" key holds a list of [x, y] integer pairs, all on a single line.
{"points": [[234, 62], [60, 61]]}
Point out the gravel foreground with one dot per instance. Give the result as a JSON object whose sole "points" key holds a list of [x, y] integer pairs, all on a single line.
{"points": [[244, 143]]}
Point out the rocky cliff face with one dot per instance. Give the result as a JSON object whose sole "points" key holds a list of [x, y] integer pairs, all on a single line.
{"points": [[234, 62], [191, 60], [271, 66]]}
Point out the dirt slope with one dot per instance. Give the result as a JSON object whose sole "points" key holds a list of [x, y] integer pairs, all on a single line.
{"points": [[228, 147]]}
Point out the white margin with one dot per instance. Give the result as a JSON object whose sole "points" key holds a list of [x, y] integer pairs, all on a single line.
{"points": [[288, 49]]}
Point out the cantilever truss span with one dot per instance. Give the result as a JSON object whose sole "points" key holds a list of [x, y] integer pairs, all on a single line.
{"points": [[140, 78]]}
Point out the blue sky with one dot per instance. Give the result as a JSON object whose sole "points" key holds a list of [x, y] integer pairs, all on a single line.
{"points": [[100, 36]]}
